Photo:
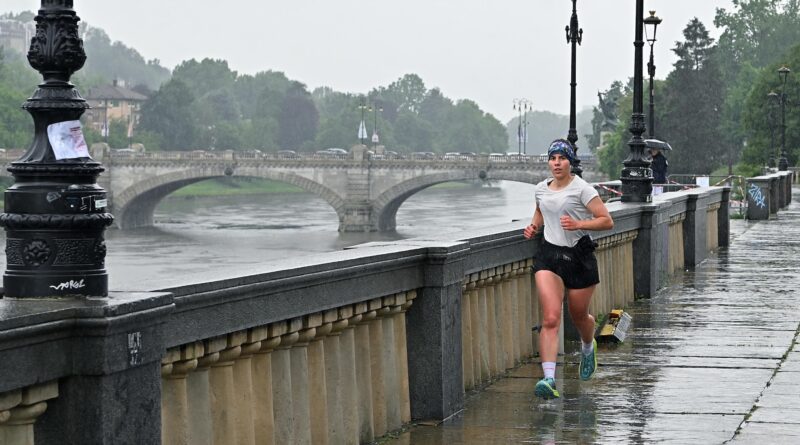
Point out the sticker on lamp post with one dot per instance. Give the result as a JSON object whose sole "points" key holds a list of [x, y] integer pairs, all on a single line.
{"points": [[67, 140]]}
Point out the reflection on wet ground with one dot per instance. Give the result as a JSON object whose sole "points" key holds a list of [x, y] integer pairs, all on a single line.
{"points": [[712, 358]]}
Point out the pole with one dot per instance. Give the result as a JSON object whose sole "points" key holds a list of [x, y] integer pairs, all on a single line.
{"points": [[637, 176], [574, 37], [651, 68], [55, 213]]}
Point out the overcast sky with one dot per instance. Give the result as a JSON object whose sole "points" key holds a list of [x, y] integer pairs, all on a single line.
{"points": [[490, 51]]}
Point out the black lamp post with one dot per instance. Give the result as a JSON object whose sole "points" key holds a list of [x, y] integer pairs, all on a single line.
{"points": [[375, 137], [522, 106], [772, 103], [651, 22], [55, 213], [637, 176], [783, 163], [574, 38]]}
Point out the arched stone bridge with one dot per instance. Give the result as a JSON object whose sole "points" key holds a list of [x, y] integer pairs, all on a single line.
{"points": [[365, 194]]}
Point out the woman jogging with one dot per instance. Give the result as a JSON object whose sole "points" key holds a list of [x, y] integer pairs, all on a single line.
{"points": [[567, 207]]}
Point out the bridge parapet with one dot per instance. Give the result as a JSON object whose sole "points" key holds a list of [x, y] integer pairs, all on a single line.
{"points": [[342, 347]]}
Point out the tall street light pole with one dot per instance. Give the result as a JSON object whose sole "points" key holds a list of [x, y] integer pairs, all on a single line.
{"points": [[772, 103], [783, 163], [652, 22], [522, 106], [637, 176], [574, 37], [375, 136], [55, 213]]}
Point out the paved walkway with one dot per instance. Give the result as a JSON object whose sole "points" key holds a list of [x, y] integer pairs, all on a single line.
{"points": [[714, 358]]}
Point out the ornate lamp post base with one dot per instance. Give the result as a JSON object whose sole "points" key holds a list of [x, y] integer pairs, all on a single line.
{"points": [[55, 213]]}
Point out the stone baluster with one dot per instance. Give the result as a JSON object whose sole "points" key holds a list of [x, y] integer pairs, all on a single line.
{"points": [[223, 391], [474, 323], [364, 373], [176, 366], [392, 306], [19, 410], [491, 319], [514, 312], [507, 328], [483, 327], [336, 384], [351, 406], [521, 315], [533, 305], [377, 367], [245, 387], [466, 338], [198, 388], [402, 351], [282, 401], [318, 397], [301, 397], [263, 420]]}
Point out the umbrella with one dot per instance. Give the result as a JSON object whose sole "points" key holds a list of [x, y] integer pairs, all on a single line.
{"points": [[656, 144]]}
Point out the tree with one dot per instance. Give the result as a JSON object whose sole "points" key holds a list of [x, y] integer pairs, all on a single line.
{"points": [[407, 93], [759, 114], [205, 76], [168, 113], [298, 119], [107, 60], [692, 105]]}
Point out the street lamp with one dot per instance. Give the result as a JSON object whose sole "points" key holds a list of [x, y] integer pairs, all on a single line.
{"points": [[783, 73], [651, 22], [522, 106], [375, 138], [55, 213], [637, 176], [772, 103], [574, 38]]}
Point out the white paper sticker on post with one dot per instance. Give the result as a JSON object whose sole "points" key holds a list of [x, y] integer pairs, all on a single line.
{"points": [[67, 140]]}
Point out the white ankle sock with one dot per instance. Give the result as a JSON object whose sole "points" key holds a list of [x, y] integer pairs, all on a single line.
{"points": [[587, 348], [549, 369]]}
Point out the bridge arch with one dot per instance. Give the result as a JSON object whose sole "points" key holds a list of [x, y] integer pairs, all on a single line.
{"points": [[134, 206], [385, 206]]}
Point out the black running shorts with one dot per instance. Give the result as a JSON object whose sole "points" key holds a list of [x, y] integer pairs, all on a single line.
{"points": [[577, 268]]}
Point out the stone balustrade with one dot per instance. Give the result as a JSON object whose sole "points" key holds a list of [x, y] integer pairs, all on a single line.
{"points": [[768, 193], [19, 410], [338, 348]]}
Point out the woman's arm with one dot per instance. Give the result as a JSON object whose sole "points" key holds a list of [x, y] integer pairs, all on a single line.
{"points": [[536, 224], [601, 219]]}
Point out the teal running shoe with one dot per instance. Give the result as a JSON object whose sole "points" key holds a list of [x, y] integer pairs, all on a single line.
{"points": [[589, 363], [546, 389]]}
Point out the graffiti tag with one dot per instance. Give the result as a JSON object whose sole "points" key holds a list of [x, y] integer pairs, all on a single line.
{"points": [[758, 197], [71, 284]]}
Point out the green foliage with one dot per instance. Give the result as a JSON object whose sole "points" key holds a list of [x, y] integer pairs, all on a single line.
{"points": [[762, 115], [693, 99], [168, 113], [107, 60]]}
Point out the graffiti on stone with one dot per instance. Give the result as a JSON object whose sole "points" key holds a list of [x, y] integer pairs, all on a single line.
{"points": [[757, 196]]}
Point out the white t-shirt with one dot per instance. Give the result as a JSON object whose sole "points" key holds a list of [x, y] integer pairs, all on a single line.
{"points": [[571, 200]]}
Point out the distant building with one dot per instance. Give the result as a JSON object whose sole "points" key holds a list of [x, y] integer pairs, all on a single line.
{"points": [[16, 36], [111, 102]]}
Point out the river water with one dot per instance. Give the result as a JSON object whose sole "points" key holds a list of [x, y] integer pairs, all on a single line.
{"points": [[210, 238]]}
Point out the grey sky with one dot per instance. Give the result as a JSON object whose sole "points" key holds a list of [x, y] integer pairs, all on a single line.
{"points": [[487, 51]]}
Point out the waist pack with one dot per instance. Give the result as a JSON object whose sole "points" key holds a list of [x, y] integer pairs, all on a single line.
{"points": [[586, 245]]}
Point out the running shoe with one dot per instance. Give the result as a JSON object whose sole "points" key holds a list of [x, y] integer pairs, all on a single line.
{"points": [[589, 363], [546, 389]]}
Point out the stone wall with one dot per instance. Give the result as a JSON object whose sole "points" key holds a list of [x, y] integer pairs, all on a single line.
{"points": [[337, 348]]}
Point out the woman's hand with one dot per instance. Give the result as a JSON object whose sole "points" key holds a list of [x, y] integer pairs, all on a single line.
{"points": [[530, 231], [567, 223]]}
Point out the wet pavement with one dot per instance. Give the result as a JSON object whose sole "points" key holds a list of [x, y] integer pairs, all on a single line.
{"points": [[713, 358]]}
